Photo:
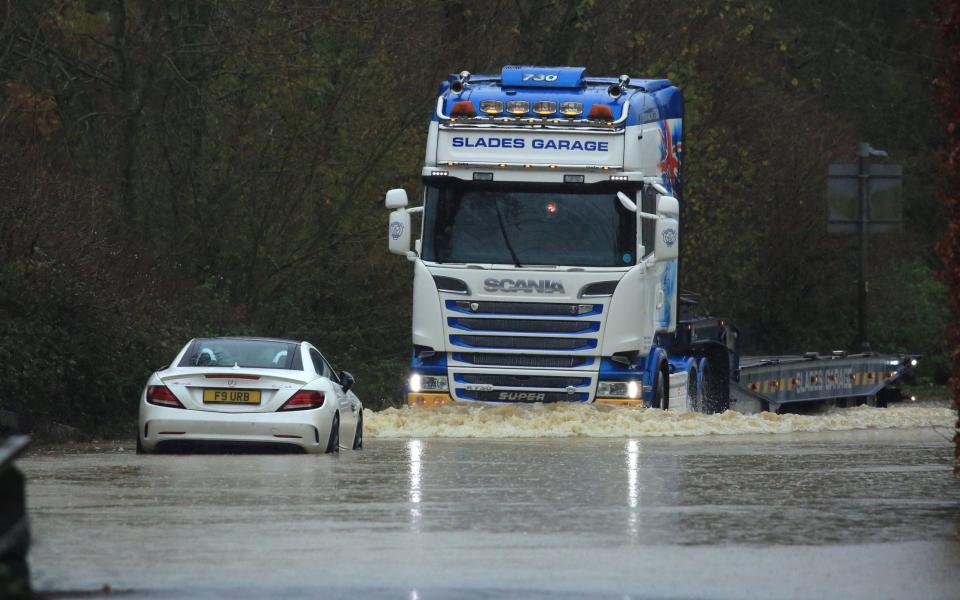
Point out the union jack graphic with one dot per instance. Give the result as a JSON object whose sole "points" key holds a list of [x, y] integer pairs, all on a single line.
{"points": [[671, 155]]}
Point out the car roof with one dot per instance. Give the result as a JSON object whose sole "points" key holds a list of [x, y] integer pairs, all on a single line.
{"points": [[249, 339]]}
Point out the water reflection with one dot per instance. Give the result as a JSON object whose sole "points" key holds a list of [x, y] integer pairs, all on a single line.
{"points": [[435, 515], [633, 487], [415, 449]]}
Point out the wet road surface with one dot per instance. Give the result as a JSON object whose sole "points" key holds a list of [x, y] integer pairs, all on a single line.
{"points": [[847, 514]]}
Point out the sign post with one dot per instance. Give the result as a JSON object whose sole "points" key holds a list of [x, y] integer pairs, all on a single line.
{"points": [[864, 199]]}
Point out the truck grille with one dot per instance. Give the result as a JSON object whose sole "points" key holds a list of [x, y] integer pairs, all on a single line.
{"points": [[524, 343], [522, 396], [525, 325], [523, 308], [523, 360], [522, 381]]}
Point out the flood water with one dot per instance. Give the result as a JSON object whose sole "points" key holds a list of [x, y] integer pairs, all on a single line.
{"points": [[521, 502]]}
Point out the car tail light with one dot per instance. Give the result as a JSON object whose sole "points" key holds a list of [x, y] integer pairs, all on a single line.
{"points": [[304, 400], [162, 396]]}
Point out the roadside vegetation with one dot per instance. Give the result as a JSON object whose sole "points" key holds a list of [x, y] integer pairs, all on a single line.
{"points": [[948, 248], [185, 168]]}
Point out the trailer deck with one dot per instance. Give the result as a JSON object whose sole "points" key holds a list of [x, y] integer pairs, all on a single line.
{"points": [[779, 381], [775, 382]]}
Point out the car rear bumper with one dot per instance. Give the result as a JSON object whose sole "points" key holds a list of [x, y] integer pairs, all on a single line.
{"points": [[308, 429]]}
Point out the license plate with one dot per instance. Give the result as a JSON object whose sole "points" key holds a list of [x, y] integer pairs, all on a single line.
{"points": [[231, 396]]}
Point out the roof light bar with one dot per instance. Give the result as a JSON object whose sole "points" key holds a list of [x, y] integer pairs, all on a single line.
{"points": [[571, 109], [491, 107], [518, 107], [544, 107]]}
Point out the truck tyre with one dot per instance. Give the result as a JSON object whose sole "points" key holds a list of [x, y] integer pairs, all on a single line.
{"points": [[657, 392], [333, 443], [693, 390], [661, 398], [140, 449], [715, 398]]}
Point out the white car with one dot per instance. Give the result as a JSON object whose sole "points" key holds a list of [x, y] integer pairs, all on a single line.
{"points": [[244, 390]]}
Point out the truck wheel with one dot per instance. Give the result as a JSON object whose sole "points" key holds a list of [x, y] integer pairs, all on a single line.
{"points": [[715, 400], [658, 391], [333, 443], [693, 390], [140, 448]]}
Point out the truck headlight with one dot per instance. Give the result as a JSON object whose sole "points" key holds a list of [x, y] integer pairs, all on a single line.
{"points": [[618, 389], [428, 383]]}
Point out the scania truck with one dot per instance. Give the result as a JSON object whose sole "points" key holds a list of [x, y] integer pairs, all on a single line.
{"points": [[546, 264]]}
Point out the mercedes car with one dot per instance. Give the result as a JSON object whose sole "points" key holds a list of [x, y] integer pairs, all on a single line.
{"points": [[249, 392]]}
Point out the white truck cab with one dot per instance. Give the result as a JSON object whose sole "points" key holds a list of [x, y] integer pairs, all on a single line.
{"points": [[546, 266]]}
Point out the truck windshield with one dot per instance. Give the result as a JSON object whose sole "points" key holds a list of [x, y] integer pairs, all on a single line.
{"points": [[527, 225]]}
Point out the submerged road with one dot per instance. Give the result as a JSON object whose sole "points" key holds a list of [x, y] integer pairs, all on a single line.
{"points": [[847, 514]]}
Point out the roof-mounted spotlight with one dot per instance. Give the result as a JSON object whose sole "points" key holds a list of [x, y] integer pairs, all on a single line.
{"points": [[617, 89], [457, 86]]}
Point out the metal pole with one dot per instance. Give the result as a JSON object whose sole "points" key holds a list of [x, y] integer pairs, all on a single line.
{"points": [[864, 175]]}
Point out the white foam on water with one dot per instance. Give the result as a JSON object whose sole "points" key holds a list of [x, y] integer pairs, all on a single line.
{"points": [[597, 420]]}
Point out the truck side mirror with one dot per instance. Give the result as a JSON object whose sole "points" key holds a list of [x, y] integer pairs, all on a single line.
{"points": [[398, 231], [668, 206], [396, 198], [666, 242]]}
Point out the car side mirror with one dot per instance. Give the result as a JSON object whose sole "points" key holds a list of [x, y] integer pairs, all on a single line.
{"points": [[346, 381]]}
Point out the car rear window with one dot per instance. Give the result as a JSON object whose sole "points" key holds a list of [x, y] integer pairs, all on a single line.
{"points": [[256, 354]]}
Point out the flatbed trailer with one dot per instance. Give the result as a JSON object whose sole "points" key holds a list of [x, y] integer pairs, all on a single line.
{"points": [[784, 382], [792, 382]]}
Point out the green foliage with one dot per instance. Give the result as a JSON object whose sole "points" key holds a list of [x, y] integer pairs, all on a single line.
{"points": [[911, 315]]}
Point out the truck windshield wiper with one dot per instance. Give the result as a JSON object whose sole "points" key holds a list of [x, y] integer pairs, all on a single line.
{"points": [[506, 238]]}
